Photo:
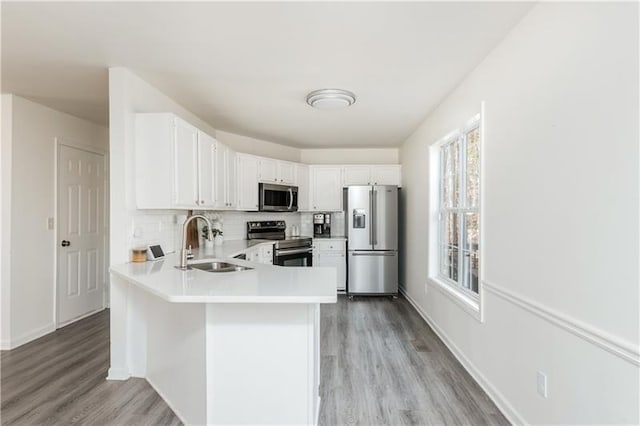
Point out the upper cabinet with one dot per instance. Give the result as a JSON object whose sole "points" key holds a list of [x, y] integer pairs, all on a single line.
{"points": [[169, 170], [267, 170], [389, 174], [225, 177], [356, 175], [326, 188], [247, 182], [178, 166], [276, 171], [207, 171], [302, 180], [286, 173]]}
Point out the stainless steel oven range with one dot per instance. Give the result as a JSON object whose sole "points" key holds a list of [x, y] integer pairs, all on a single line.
{"points": [[287, 251]]}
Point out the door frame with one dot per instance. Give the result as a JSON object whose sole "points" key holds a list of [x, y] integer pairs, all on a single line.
{"points": [[69, 143]]}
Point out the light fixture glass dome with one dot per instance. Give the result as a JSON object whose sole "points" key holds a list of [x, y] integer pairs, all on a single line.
{"points": [[331, 98]]}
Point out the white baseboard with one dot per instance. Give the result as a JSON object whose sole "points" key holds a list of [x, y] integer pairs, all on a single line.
{"points": [[501, 402], [317, 416], [28, 337], [81, 317], [168, 402], [118, 374]]}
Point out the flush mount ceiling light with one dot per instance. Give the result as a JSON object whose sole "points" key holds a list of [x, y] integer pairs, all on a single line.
{"points": [[331, 98]]}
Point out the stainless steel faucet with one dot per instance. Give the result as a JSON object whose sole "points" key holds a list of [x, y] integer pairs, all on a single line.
{"points": [[183, 250]]}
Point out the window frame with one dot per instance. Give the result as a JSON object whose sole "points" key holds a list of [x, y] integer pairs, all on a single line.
{"points": [[469, 300]]}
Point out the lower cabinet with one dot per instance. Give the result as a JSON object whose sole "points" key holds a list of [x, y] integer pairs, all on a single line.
{"points": [[261, 254], [332, 253]]}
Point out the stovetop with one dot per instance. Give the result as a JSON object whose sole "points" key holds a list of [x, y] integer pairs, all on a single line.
{"points": [[275, 230]]}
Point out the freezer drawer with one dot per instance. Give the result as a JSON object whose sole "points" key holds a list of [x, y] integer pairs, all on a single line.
{"points": [[373, 272]]}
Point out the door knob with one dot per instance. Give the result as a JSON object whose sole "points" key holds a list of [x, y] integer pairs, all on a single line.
{"points": [[65, 243]]}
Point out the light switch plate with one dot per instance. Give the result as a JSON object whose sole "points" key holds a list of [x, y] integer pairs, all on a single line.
{"points": [[542, 384], [50, 223]]}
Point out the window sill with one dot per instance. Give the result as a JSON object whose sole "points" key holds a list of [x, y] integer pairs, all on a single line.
{"points": [[469, 305]]}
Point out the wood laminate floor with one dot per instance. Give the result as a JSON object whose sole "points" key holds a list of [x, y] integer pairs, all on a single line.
{"points": [[381, 365]]}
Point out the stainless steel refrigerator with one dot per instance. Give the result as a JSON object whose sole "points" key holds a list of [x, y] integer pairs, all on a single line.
{"points": [[371, 217]]}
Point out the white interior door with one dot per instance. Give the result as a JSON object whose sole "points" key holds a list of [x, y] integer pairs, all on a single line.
{"points": [[80, 283]]}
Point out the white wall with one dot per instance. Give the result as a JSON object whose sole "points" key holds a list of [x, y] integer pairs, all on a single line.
{"points": [[560, 217], [350, 156], [258, 146], [29, 248], [128, 95], [5, 222]]}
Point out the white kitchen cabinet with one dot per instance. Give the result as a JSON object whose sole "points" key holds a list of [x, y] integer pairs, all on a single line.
{"points": [[232, 177], [332, 253], [225, 177], [276, 171], [262, 253], [186, 165], [286, 173], [247, 182], [326, 188], [302, 180], [356, 175], [380, 174], [266, 254], [267, 170], [207, 171], [167, 163], [390, 174]]}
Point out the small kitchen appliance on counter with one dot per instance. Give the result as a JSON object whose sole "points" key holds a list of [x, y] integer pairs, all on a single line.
{"points": [[288, 251], [322, 225]]}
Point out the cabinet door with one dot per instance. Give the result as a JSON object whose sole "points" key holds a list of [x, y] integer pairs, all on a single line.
{"points": [[268, 171], [232, 178], [155, 160], [326, 188], [339, 262], [302, 180], [247, 182], [286, 173], [386, 175], [356, 175], [186, 165], [221, 175], [206, 170]]}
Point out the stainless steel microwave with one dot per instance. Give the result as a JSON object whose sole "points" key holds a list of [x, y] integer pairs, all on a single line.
{"points": [[278, 198]]}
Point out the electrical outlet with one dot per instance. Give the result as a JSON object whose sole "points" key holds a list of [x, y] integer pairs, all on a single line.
{"points": [[542, 384], [50, 224]]}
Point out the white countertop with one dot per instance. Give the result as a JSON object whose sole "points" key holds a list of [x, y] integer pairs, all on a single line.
{"points": [[262, 284], [336, 237]]}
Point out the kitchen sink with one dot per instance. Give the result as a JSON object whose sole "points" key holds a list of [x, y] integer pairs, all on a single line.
{"points": [[218, 266]]}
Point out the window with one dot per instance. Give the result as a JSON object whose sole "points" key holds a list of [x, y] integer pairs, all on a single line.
{"points": [[457, 161]]}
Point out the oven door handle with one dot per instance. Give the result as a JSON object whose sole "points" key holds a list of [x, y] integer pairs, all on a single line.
{"points": [[293, 251]]}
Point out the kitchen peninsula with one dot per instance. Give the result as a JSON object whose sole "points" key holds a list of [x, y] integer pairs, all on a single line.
{"points": [[222, 347]]}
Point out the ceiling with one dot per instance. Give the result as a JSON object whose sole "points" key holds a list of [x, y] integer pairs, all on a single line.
{"points": [[247, 67]]}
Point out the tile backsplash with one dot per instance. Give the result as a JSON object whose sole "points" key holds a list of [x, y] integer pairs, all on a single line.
{"points": [[165, 227]]}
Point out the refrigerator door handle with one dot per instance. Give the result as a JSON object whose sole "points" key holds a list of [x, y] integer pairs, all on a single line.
{"points": [[371, 217], [374, 216], [374, 253]]}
